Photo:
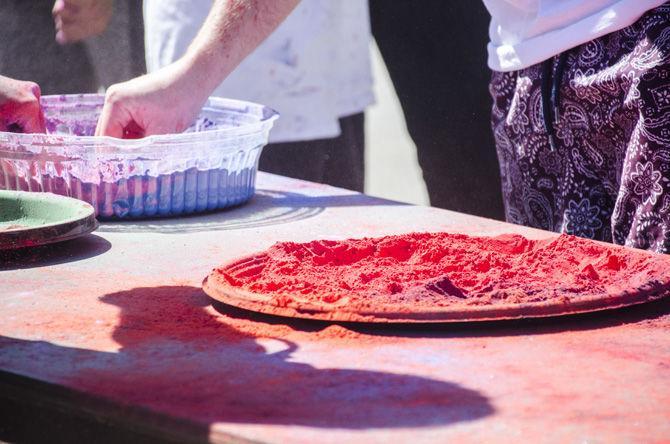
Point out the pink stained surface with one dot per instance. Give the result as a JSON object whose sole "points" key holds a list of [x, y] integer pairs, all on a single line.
{"points": [[130, 325], [445, 270]]}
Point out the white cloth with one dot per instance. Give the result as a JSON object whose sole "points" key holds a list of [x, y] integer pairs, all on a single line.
{"points": [[526, 32], [313, 69]]}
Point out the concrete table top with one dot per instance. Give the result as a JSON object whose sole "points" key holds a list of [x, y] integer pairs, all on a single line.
{"points": [[115, 326]]}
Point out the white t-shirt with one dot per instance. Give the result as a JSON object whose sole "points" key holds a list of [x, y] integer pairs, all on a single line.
{"points": [[313, 69], [526, 32]]}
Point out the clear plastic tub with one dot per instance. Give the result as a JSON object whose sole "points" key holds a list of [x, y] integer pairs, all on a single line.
{"points": [[211, 165]]}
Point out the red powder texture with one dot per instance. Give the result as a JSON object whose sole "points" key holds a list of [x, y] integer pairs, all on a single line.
{"points": [[444, 270]]}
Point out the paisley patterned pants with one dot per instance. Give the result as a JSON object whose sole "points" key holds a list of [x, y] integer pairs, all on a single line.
{"points": [[583, 139]]}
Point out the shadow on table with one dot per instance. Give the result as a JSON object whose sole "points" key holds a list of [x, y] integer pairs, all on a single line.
{"points": [[179, 357], [641, 313], [266, 208], [73, 250]]}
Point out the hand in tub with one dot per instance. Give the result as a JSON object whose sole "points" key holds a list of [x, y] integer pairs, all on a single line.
{"points": [[20, 109]]}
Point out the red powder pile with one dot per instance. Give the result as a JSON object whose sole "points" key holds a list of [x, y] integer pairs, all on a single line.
{"points": [[442, 269]]}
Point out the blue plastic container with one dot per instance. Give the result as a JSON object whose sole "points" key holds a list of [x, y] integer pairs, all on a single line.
{"points": [[211, 165]]}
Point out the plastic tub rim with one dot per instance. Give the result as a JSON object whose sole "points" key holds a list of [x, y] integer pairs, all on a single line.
{"points": [[264, 123]]}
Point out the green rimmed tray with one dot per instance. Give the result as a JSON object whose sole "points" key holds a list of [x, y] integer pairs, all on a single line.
{"points": [[30, 219]]}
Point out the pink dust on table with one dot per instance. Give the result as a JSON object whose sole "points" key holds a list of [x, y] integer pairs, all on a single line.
{"points": [[443, 270]]}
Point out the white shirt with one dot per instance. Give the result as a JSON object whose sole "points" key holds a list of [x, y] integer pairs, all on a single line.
{"points": [[526, 32], [313, 69]]}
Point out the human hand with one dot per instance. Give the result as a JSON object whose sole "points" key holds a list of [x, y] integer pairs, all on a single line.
{"points": [[163, 102], [77, 20], [20, 109], [168, 100]]}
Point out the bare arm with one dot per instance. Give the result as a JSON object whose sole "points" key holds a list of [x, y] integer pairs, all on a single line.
{"points": [[233, 29], [169, 99]]}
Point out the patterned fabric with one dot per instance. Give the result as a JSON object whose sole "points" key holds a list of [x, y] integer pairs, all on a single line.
{"points": [[609, 177]]}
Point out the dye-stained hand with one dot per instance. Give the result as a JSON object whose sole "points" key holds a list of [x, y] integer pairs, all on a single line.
{"points": [[163, 102], [20, 109], [77, 20]]}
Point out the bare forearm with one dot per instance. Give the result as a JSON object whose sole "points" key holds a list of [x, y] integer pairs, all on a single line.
{"points": [[233, 29], [167, 100]]}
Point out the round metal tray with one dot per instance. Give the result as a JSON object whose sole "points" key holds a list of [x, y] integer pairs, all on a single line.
{"points": [[341, 311]]}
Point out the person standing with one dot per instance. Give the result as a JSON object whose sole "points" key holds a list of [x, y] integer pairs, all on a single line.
{"points": [[435, 52], [314, 69], [581, 116], [71, 46], [29, 50]]}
